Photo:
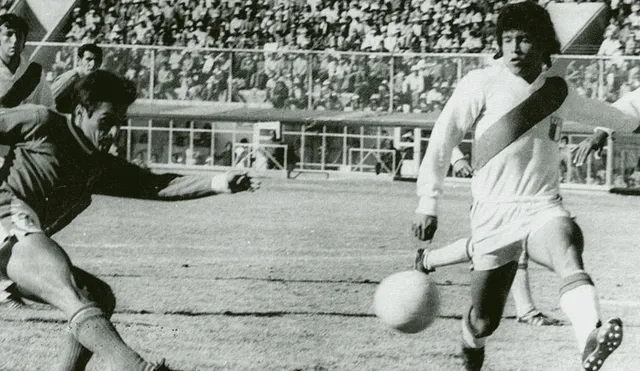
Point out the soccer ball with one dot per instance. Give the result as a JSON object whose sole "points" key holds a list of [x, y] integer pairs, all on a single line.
{"points": [[407, 301]]}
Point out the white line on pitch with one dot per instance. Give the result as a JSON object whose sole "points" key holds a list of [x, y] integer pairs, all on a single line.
{"points": [[621, 303]]}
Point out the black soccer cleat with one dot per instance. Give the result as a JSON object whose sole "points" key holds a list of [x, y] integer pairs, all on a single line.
{"points": [[472, 358], [419, 262], [602, 341], [537, 318]]}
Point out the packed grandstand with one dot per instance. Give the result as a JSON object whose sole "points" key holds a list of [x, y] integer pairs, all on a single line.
{"points": [[321, 55]]}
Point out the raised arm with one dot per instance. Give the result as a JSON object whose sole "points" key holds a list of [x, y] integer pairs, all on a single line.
{"points": [[619, 116], [124, 179], [623, 115]]}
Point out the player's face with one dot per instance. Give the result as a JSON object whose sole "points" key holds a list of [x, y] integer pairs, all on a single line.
{"points": [[88, 62], [11, 43], [102, 125], [522, 54]]}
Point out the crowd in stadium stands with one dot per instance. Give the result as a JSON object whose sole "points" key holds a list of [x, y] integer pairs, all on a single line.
{"points": [[284, 31], [351, 82]]}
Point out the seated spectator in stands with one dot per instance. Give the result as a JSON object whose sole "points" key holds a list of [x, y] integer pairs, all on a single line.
{"points": [[471, 44], [298, 98], [375, 105], [413, 86], [353, 104], [63, 60], [630, 44], [89, 60], [610, 45], [434, 97]]}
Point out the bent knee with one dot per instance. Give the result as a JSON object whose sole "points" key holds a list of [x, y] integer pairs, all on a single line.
{"points": [[561, 233], [95, 290]]}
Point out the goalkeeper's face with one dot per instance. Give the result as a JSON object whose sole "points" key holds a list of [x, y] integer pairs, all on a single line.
{"points": [[102, 125]]}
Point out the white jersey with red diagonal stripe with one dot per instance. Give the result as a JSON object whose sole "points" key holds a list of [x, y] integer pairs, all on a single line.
{"points": [[528, 168]]}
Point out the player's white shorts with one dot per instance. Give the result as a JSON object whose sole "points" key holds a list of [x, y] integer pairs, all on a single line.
{"points": [[499, 230], [17, 220]]}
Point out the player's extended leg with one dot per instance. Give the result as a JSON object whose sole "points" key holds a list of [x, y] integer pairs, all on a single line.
{"points": [[489, 293], [558, 244], [43, 271], [75, 357], [457, 252]]}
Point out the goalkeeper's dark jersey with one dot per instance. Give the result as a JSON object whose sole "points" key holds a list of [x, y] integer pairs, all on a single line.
{"points": [[54, 169]]}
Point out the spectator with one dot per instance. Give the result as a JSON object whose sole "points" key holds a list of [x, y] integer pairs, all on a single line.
{"points": [[610, 45]]}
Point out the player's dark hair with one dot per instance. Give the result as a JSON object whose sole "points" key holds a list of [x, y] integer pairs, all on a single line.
{"points": [[103, 86], [91, 48], [15, 22], [529, 17]]}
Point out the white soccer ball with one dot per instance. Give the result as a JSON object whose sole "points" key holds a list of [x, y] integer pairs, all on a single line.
{"points": [[407, 301]]}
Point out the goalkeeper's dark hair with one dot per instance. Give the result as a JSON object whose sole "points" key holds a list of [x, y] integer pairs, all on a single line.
{"points": [[15, 22], [91, 48], [103, 86], [529, 17]]}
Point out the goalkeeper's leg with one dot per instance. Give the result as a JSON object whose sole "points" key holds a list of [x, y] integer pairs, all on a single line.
{"points": [[43, 271], [75, 356]]}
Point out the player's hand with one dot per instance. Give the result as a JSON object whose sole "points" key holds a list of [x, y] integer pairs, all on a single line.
{"points": [[462, 168], [594, 143], [234, 181], [23, 87], [424, 226]]}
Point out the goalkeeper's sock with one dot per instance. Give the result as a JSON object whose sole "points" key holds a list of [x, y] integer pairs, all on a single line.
{"points": [[93, 330], [75, 356]]}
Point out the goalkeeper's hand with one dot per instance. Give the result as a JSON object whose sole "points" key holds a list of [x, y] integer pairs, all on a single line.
{"points": [[596, 142], [424, 226], [23, 87], [234, 181]]}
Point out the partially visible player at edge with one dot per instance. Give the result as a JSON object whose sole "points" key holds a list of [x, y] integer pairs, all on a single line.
{"points": [[518, 111], [54, 167]]}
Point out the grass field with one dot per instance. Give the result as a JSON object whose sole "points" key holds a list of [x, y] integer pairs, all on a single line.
{"points": [[282, 280]]}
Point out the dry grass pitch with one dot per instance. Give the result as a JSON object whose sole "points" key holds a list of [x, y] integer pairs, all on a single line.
{"points": [[282, 280]]}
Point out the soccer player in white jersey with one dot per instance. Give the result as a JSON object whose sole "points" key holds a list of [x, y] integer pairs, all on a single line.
{"points": [[460, 252], [517, 112]]}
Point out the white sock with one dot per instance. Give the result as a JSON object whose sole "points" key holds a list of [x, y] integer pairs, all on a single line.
{"points": [[468, 338], [582, 307], [454, 253], [521, 292]]}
